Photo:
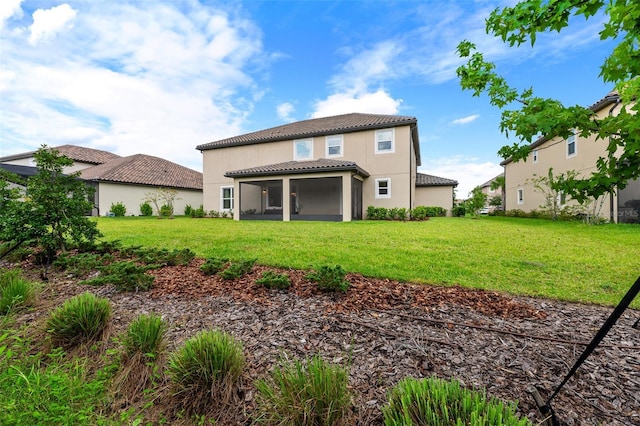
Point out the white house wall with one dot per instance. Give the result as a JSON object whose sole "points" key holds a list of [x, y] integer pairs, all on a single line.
{"points": [[133, 195], [438, 196]]}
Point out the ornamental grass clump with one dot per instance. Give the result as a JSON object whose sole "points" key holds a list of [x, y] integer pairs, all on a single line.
{"points": [[313, 393], [15, 291], [445, 403], [80, 319], [205, 370], [145, 335]]}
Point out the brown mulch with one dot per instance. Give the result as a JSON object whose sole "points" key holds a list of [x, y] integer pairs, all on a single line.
{"points": [[385, 330]]}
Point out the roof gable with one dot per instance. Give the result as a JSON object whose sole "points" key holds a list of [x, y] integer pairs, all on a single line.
{"points": [[144, 169]]}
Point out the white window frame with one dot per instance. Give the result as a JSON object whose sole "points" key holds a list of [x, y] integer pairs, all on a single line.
{"points": [[388, 194], [520, 195], [573, 139], [535, 156], [333, 141], [295, 149], [378, 140], [223, 198]]}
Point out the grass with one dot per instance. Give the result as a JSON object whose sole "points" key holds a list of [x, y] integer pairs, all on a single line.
{"points": [[80, 319], [561, 260]]}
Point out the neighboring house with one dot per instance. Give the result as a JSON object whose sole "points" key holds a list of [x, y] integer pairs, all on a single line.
{"points": [[435, 191], [574, 153], [123, 179], [328, 168], [491, 193]]}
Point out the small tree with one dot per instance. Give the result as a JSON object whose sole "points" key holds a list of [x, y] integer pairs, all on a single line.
{"points": [[477, 200], [498, 183], [550, 187], [162, 198], [495, 201]]}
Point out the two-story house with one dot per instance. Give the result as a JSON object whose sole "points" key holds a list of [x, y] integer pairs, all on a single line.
{"points": [[328, 168], [572, 154]]}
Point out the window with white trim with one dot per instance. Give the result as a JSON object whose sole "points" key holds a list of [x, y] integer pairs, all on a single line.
{"points": [[383, 188], [385, 141], [334, 146], [572, 146], [535, 156], [226, 198], [520, 196], [303, 149]]}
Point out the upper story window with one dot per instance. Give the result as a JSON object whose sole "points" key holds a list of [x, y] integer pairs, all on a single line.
{"points": [[535, 156], [572, 147], [383, 188], [303, 149], [334, 145], [385, 141]]}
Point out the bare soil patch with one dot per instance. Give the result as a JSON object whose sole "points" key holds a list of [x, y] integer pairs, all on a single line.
{"points": [[387, 330]]}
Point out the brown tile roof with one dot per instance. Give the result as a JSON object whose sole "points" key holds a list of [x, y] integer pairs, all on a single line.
{"points": [[337, 124], [430, 180], [299, 167], [143, 169], [490, 181], [74, 152]]}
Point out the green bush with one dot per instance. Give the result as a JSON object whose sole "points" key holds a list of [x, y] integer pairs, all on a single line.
{"points": [[419, 213], [238, 269], [403, 214], [213, 265], [80, 319], [206, 366], [459, 211], [166, 211], [435, 211], [437, 402], [81, 264], [314, 394], [125, 276], [15, 291], [198, 213], [118, 209], [146, 209], [145, 335], [330, 278], [188, 210], [272, 279]]}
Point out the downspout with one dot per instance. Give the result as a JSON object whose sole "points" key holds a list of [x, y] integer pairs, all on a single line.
{"points": [[611, 216]]}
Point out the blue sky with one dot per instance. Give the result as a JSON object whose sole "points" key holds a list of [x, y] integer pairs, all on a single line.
{"points": [[161, 77]]}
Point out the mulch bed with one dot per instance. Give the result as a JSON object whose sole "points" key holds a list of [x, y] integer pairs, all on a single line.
{"points": [[386, 330]]}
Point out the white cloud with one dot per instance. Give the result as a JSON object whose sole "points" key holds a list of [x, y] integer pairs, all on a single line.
{"points": [[284, 111], [379, 102], [8, 10], [46, 23], [466, 120], [468, 171]]}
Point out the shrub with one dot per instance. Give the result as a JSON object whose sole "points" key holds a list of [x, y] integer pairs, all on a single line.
{"points": [[419, 213], [272, 279], [403, 213], [125, 276], [81, 264], [146, 209], [118, 209], [311, 394], [166, 210], [330, 278], [213, 265], [81, 318], [207, 365], [199, 212], [15, 291], [458, 211], [435, 211], [238, 269], [214, 213], [188, 210], [145, 335], [437, 402]]}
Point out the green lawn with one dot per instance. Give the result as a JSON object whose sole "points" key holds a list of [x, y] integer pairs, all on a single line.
{"points": [[563, 260]]}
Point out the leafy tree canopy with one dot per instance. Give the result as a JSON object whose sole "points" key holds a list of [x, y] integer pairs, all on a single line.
{"points": [[522, 23]]}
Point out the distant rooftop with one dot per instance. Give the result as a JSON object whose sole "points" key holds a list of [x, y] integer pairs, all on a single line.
{"points": [[430, 180], [74, 152]]}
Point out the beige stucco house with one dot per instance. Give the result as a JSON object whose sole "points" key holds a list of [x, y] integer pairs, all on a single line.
{"points": [[574, 153], [328, 168], [124, 180]]}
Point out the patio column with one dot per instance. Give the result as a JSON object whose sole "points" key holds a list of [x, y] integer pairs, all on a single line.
{"points": [[286, 199], [346, 197]]}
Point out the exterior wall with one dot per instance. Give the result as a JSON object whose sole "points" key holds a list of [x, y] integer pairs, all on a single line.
{"points": [[399, 166], [439, 196], [77, 165], [133, 195], [553, 154]]}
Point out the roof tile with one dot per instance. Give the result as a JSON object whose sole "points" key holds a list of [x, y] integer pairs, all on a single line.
{"points": [[430, 180], [299, 167]]}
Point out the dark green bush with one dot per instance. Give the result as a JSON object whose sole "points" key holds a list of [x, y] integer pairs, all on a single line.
{"points": [[125, 276], [188, 210], [238, 269], [80, 319], [82, 264], [118, 209], [213, 265], [311, 394], [198, 213], [146, 209], [166, 211], [459, 211], [435, 211], [437, 402], [330, 278], [419, 213], [271, 279], [403, 214]]}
